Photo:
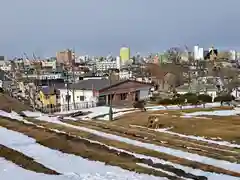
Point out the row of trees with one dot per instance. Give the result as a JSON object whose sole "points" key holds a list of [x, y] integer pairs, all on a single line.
{"points": [[194, 99]]}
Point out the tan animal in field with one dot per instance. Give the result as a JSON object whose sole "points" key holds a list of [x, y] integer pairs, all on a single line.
{"points": [[153, 122]]}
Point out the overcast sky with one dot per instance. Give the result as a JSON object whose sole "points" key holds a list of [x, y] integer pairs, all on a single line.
{"points": [[98, 27]]}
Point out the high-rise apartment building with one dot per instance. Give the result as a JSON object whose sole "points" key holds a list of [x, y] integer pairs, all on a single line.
{"points": [[64, 57], [125, 54], [198, 53]]}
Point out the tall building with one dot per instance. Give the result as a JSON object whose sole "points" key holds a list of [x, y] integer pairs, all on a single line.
{"points": [[198, 53], [156, 59], [64, 57], [118, 62], [233, 55], [125, 54]]}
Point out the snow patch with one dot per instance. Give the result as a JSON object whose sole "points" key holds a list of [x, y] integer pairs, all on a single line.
{"points": [[178, 153], [65, 163], [213, 113], [32, 114], [198, 138]]}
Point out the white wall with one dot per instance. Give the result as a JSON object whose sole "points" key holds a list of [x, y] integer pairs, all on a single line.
{"points": [[213, 94], [88, 94], [118, 62], [201, 53], [195, 51], [233, 55], [144, 93], [125, 74], [198, 53]]}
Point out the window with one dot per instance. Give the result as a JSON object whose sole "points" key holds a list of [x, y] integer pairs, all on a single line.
{"points": [[82, 98], [124, 96]]}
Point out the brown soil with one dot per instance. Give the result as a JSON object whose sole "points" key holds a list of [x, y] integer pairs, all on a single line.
{"points": [[227, 128], [8, 104], [144, 135], [24, 161], [135, 149], [83, 148]]}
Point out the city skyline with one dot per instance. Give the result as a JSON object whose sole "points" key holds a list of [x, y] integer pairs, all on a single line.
{"points": [[98, 28]]}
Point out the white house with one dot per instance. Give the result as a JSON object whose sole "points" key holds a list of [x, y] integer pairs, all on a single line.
{"points": [[85, 93], [211, 90]]}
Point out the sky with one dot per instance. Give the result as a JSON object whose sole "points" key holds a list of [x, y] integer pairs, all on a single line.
{"points": [[100, 27]]}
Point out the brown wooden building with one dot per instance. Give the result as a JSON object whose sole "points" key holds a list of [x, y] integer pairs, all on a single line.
{"points": [[125, 92]]}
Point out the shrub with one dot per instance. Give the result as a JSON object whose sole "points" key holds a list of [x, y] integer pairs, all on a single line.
{"points": [[224, 98], [205, 98], [193, 100], [179, 101], [218, 99], [139, 104], [165, 101], [153, 98], [186, 95]]}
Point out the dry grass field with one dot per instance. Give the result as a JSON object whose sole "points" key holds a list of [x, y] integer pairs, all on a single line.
{"points": [[226, 128]]}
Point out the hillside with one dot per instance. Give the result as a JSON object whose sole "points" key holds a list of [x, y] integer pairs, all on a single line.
{"points": [[8, 103]]}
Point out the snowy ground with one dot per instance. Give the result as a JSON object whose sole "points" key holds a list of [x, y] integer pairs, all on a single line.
{"points": [[198, 138], [7, 168], [116, 115], [177, 153], [65, 164], [175, 107], [104, 110], [214, 113], [170, 151], [68, 165], [62, 163]]}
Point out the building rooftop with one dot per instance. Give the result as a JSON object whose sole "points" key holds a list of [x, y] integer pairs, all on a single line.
{"points": [[90, 84], [48, 90]]}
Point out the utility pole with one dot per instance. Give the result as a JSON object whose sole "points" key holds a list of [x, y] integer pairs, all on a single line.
{"points": [[68, 97], [28, 90], [110, 100], [38, 67], [73, 72], [189, 74]]}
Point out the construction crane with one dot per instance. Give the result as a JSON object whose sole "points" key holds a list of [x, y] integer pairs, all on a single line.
{"points": [[26, 56]]}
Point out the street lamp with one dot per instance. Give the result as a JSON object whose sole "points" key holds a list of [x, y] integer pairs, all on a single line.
{"points": [[110, 103]]}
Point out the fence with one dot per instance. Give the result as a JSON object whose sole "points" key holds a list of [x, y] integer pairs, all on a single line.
{"points": [[78, 106]]}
